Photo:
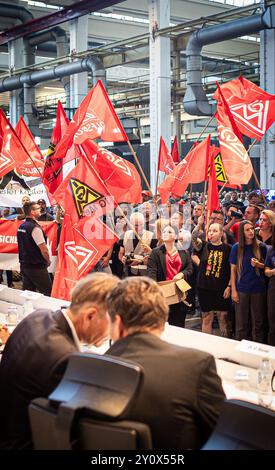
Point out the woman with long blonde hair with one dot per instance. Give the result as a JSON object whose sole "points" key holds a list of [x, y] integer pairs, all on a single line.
{"points": [[248, 284]]}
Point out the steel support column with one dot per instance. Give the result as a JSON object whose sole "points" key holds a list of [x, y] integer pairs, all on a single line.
{"points": [[16, 60], [160, 81], [78, 43], [176, 111], [267, 73]]}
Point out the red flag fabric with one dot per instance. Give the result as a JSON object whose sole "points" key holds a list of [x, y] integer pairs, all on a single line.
{"points": [[100, 120], [220, 171], [13, 153], [94, 118], [66, 274], [175, 151], [252, 108], [82, 192], [52, 175], [80, 248], [100, 237], [34, 165], [119, 175], [192, 169], [213, 201], [8, 235], [165, 160], [236, 161]]}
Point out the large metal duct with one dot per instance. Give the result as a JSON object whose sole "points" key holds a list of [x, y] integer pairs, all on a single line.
{"points": [[16, 12], [62, 49], [90, 64], [195, 99]]}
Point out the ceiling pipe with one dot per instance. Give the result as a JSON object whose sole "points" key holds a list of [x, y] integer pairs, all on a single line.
{"points": [[62, 49], [15, 11], [89, 64], [195, 99]]}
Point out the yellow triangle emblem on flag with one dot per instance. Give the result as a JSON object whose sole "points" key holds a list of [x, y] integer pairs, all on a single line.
{"points": [[83, 195], [220, 171]]}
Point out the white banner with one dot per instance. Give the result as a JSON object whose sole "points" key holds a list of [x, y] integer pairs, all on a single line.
{"points": [[13, 197]]}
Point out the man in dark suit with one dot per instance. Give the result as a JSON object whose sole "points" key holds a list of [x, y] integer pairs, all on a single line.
{"points": [[182, 395], [36, 354]]}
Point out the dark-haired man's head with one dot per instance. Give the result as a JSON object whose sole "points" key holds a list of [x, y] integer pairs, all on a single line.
{"points": [[234, 196], [216, 217], [252, 213], [253, 198], [136, 304], [31, 209]]}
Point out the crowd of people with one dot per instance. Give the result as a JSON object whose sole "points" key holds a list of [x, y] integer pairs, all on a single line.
{"points": [[227, 258]]}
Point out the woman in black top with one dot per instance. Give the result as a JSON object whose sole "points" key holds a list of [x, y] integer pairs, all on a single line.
{"points": [[214, 280]]}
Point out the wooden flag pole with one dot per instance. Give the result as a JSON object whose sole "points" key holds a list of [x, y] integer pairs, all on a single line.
{"points": [[143, 175], [203, 199], [139, 167], [190, 190], [157, 183], [222, 188], [205, 127], [202, 132], [207, 224]]}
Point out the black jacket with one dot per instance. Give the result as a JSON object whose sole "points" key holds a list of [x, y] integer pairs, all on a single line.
{"points": [[156, 267], [181, 395], [34, 361]]}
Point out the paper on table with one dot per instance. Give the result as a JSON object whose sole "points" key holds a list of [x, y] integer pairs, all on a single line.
{"points": [[234, 393]]}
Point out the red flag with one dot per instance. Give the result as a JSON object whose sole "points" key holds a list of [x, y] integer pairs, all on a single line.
{"points": [[213, 201], [119, 175], [252, 108], [82, 192], [34, 165], [94, 118], [100, 110], [220, 171], [192, 169], [66, 274], [13, 153], [235, 158], [165, 160], [100, 237], [52, 176], [8, 235], [80, 248], [175, 151]]}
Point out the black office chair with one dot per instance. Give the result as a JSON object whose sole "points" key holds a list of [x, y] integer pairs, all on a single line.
{"points": [[85, 411], [243, 426]]}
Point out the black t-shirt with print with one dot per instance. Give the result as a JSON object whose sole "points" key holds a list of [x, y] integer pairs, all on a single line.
{"points": [[214, 268]]}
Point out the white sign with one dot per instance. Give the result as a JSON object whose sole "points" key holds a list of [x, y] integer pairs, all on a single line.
{"points": [[13, 197]]}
